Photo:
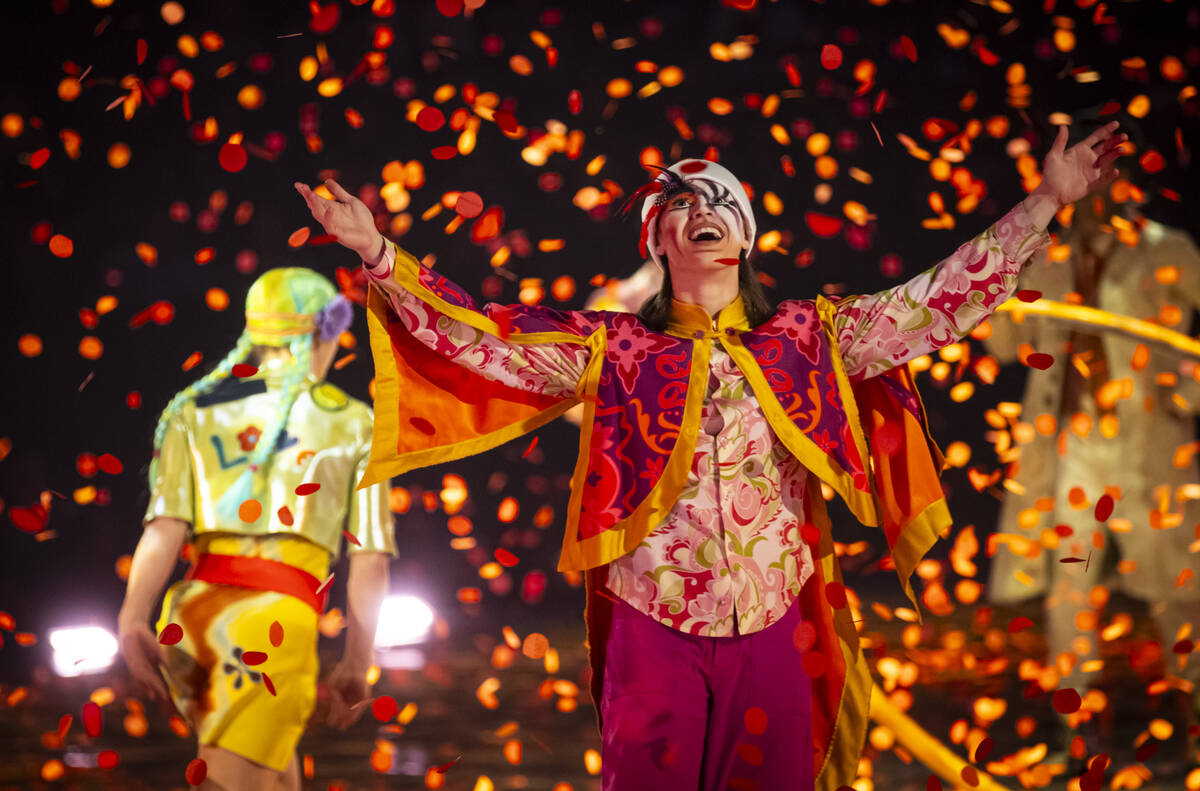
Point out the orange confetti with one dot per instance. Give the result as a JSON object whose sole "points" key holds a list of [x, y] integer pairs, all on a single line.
{"points": [[249, 511], [61, 246], [299, 237]]}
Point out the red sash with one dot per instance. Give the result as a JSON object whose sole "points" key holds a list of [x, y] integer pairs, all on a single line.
{"points": [[259, 574]]}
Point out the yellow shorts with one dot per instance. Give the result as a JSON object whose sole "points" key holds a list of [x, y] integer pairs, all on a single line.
{"points": [[227, 700]]}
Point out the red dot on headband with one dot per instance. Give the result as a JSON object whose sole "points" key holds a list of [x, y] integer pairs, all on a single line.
{"points": [[693, 167]]}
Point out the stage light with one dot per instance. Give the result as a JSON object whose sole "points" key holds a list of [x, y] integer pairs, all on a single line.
{"points": [[80, 650], [403, 620]]}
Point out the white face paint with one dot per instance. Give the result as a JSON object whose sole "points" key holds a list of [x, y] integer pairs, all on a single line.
{"points": [[701, 230]]}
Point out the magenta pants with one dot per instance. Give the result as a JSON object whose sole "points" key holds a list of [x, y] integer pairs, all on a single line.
{"points": [[688, 713]]}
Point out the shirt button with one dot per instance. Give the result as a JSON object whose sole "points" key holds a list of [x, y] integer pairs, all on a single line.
{"points": [[698, 334]]}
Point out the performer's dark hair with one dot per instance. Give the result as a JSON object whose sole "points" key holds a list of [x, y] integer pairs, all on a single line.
{"points": [[655, 311]]}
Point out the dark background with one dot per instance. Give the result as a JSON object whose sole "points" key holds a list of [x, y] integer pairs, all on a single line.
{"points": [[50, 420]]}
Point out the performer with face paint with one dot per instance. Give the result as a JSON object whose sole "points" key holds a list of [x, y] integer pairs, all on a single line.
{"points": [[723, 648], [256, 471]]}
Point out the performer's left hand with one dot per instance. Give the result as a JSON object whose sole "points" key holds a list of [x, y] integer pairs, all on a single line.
{"points": [[1071, 174], [348, 690]]}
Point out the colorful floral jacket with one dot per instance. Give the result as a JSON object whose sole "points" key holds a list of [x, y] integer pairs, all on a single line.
{"points": [[642, 393]]}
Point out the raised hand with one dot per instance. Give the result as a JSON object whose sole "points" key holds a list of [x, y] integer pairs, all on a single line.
{"points": [[1071, 174], [346, 218]]}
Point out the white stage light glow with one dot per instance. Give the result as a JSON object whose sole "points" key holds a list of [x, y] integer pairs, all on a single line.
{"points": [[79, 650]]}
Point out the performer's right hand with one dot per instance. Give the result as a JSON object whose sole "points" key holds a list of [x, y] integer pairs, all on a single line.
{"points": [[348, 693], [140, 650], [346, 218]]}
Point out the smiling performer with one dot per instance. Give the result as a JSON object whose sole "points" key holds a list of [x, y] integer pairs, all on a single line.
{"points": [[723, 649]]}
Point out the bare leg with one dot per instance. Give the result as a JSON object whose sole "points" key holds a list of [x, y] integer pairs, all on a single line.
{"points": [[289, 779], [229, 771]]}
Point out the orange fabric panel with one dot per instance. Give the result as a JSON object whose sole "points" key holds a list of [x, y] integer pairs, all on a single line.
{"points": [[457, 403]]}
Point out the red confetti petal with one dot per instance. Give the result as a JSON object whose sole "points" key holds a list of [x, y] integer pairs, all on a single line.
{"points": [[729, 261], [1018, 624], [107, 759], [469, 205], [268, 684], [232, 157], [64, 725], [933, 784], [889, 438], [1104, 508], [430, 119], [91, 719], [353, 539], [1029, 295], [756, 720], [305, 489], [1039, 360], [970, 776], [276, 633], [1146, 752], [324, 18], [810, 535], [831, 56], [171, 634], [444, 152], [39, 157], [1184, 647], [299, 236], [252, 658], [822, 225], [804, 637], [450, 7], [422, 425], [835, 594], [196, 771], [31, 520], [984, 749], [110, 464], [815, 664], [506, 558], [910, 49], [506, 121], [242, 370], [142, 51], [532, 445], [1066, 700], [285, 516], [693, 167], [384, 708]]}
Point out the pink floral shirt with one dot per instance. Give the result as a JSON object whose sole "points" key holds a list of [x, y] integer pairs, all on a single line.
{"points": [[729, 559]]}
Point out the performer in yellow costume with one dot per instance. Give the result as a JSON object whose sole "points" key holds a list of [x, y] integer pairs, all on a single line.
{"points": [[258, 471]]}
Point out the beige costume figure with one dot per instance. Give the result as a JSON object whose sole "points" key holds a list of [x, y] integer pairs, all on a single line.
{"points": [[1137, 411]]}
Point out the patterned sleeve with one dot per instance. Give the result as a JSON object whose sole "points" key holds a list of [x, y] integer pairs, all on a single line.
{"points": [[940, 306], [546, 367], [172, 490], [369, 518]]}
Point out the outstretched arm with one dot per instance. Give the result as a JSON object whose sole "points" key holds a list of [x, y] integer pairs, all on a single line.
{"points": [[546, 353], [942, 305]]}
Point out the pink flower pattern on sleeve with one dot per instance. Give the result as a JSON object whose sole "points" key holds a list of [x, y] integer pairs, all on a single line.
{"points": [[940, 306], [543, 368]]}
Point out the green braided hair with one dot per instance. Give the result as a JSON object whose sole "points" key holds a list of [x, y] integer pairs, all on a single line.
{"points": [[282, 308], [198, 388]]}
